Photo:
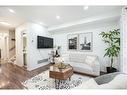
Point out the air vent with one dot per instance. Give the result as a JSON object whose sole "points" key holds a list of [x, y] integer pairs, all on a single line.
{"points": [[42, 61]]}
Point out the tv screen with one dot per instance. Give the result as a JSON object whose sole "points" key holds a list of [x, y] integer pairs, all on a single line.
{"points": [[44, 42]]}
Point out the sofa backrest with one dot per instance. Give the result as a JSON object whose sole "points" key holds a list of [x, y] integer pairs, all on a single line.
{"points": [[77, 57]]}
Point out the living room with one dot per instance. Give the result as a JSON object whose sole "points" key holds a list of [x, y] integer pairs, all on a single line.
{"points": [[72, 38]]}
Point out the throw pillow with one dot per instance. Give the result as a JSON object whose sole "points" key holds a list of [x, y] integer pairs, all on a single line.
{"points": [[89, 60]]}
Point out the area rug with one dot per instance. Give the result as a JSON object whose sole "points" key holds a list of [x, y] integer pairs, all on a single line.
{"points": [[43, 82]]}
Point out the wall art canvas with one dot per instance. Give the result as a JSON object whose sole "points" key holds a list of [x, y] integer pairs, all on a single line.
{"points": [[72, 42], [85, 41]]}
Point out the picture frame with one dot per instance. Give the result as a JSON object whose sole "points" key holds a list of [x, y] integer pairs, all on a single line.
{"points": [[85, 41], [72, 41]]}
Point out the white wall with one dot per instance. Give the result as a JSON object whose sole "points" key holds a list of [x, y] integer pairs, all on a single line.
{"points": [[98, 45], [6, 43], [124, 41], [4, 50], [34, 54], [19, 43]]}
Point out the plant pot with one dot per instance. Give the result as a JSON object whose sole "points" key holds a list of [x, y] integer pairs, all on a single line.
{"points": [[111, 69]]}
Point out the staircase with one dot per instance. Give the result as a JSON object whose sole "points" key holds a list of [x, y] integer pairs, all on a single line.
{"points": [[13, 58]]}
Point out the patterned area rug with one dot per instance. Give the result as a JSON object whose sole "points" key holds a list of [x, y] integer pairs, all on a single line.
{"points": [[43, 82]]}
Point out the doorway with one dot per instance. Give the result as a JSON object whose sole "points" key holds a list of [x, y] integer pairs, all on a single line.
{"points": [[6, 53], [24, 43], [0, 54]]}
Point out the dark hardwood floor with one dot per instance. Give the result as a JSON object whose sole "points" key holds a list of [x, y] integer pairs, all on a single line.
{"points": [[12, 75]]}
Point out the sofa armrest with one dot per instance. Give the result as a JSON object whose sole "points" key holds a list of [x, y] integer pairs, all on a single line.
{"points": [[96, 67]]}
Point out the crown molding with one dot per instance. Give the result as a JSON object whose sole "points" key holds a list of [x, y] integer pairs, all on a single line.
{"points": [[94, 19]]}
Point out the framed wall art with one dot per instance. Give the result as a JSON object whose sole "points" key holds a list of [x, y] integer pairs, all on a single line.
{"points": [[85, 41], [73, 42]]}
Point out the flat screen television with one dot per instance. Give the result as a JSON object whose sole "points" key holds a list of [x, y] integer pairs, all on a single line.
{"points": [[44, 42]]}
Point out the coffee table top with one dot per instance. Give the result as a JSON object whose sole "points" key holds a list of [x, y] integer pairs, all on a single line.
{"points": [[56, 69], [61, 74]]}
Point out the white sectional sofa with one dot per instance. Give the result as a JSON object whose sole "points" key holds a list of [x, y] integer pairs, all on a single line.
{"points": [[83, 63]]}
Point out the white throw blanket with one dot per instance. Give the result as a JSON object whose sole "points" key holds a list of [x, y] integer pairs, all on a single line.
{"points": [[119, 82]]}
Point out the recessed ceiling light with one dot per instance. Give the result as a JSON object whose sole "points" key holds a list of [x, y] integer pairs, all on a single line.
{"points": [[4, 23], [57, 17], [12, 11], [40, 23], [85, 7]]}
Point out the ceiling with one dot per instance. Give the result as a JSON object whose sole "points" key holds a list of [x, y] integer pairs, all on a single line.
{"points": [[46, 15]]}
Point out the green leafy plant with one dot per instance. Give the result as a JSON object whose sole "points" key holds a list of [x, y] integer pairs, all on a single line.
{"points": [[112, 39]]}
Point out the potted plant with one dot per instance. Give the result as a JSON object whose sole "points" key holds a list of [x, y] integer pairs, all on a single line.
{"points": [[112, 39]]}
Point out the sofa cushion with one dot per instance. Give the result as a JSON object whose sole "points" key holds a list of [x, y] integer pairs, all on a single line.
{"points": [[77, 58], [90, 60], [80, 67]]}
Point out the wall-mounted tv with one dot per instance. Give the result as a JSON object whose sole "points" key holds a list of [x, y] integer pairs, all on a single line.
{"points": [[44, 42]]}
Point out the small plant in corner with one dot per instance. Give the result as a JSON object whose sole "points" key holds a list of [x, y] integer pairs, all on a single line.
{"points": [[112, 39]]}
